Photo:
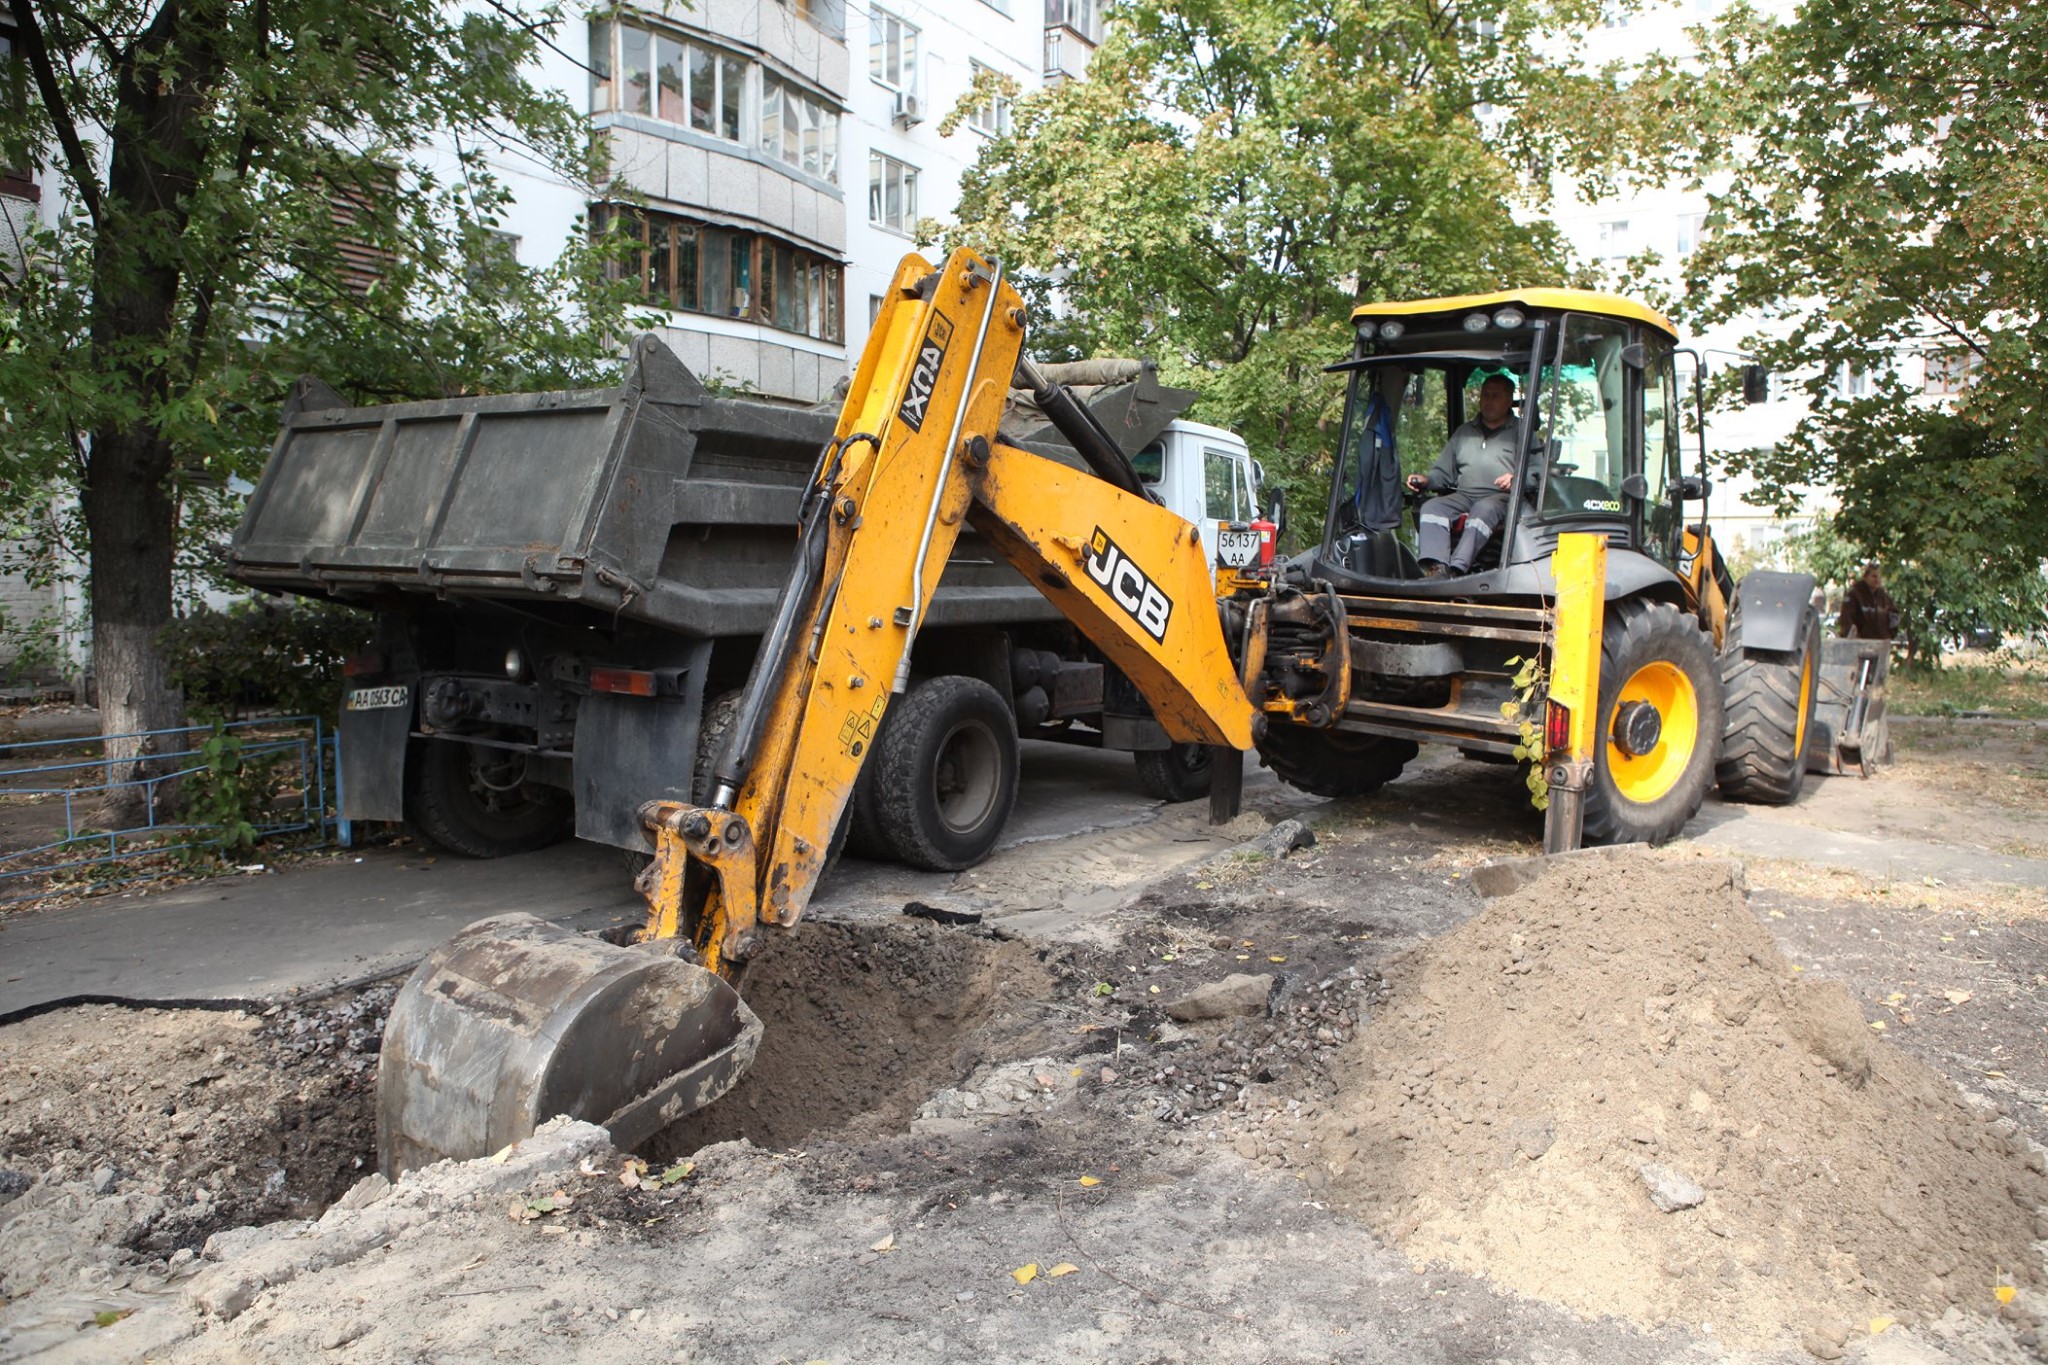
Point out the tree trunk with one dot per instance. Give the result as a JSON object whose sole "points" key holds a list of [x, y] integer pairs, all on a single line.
{"points": [[131, 525]]}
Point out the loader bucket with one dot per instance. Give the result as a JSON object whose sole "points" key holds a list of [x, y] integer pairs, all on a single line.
{"points": [[514, 1021], [1850, 733]]}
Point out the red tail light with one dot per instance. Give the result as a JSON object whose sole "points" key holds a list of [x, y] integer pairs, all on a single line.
{"points": [[1557, 728]]}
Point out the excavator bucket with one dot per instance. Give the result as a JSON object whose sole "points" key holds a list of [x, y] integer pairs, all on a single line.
{"points": [[514, 1021], [1850, 732]]}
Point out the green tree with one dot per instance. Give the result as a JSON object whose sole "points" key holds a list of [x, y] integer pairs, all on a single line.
{"points": [[252, 187], [1233, 175], [1881, 178]]}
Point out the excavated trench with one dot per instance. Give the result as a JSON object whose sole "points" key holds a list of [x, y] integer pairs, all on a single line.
{"points": [[220, 1118]]}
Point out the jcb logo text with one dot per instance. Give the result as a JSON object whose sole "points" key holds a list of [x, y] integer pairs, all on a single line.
{"points": [[1132, 588], [931, 354]]}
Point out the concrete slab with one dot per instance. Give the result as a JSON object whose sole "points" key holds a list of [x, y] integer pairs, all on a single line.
{"points": [[305, 927]]}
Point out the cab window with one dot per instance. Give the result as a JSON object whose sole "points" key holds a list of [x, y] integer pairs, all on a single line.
{"points": [[1586, 419], [1223, 482], [1150, 462]]}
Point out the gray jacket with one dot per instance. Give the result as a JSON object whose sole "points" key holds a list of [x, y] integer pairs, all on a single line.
{"points": [[1473, 458]]}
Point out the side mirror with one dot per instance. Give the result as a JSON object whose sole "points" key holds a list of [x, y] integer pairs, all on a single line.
{"points": [[1278, 513], [1691, 488], [1635, 486]]}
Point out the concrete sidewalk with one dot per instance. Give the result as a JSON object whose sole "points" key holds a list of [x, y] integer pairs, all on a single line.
{"points": [[308, 926]]}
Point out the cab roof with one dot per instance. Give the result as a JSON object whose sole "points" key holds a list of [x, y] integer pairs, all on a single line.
{"points": [[1546, 300]]}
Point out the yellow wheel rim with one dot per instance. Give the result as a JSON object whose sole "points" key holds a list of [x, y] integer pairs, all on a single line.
{"points": [[1805, 698], [1643, 778]]}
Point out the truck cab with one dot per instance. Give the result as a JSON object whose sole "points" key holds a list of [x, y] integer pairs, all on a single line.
{"points": [[1205, 474]]}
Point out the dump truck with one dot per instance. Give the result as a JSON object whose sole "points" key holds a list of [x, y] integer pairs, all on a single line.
{"points": [[1588, 643], [569, 585]]}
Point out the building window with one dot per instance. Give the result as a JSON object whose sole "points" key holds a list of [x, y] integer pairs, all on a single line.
{"points": [[827, 16], [799, 128], [693, 267], [892, 51], [662, 75], [1851, 381], [1950, 372], [892, 193], [1692, 228], [1614, 238], [16, 182], [1614, 17], [1082, 16], [993, 117]]}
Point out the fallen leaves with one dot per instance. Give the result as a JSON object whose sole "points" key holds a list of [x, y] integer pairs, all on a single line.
{"points": [[1025, 1274], [1957, 997], [1089, 1182], [635, 1175], [887, 1244], [1068, 1268], [527, 1210]]}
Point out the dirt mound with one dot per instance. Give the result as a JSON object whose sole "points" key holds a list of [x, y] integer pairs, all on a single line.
{"points": [[863, 1022], [1627, 1023]]}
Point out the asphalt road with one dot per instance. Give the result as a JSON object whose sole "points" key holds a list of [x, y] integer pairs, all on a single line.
{"points": [[366, 914]]}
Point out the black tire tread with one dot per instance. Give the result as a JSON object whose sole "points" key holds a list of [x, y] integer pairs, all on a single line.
{"points": [[1642, 630], [436, 790], [903, 772], [1333, 763], [1166, 774], [1760, 689]]}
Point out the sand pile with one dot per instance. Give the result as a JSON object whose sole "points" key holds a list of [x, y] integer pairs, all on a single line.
{"points": [[1627, 1023]]}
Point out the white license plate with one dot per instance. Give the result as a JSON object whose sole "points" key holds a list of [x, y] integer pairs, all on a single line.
{"points": [[1237, 549], [377, 698]]}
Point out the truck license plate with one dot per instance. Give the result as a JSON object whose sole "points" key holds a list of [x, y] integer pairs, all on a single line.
{"points": [[1236, 549], [377, 698]]}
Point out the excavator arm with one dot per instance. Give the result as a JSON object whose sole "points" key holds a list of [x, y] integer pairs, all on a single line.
{"points": [[507, 1019]]}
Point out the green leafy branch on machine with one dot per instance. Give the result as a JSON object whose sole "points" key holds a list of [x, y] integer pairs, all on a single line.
{"points": [[1661, 675]]}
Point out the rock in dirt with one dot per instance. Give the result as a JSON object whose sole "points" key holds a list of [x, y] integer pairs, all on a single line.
{"points": [[1635, 1002], [1669, 1190], [1233, 996]]}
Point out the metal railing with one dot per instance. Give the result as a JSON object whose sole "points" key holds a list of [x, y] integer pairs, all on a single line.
{"points": [[295, 760]]}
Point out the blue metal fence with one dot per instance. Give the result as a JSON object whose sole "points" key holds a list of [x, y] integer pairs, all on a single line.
{"points": [[300, 753]]}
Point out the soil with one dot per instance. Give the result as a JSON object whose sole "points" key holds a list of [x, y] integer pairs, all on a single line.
{"points": [[998, 1140]]}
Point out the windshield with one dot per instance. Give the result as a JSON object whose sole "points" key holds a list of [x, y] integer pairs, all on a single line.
{"points": [[1397, 420], [1585, 416]]}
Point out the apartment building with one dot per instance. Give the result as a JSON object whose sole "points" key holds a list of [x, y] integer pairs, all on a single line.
{"points": [[782, 155]]}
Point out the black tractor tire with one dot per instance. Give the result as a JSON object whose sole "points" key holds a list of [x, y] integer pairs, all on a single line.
{"points": [[473, 801], [946, 780], [1333, 763], [865, 836], [1769, 696], [1179, 773], [1653, 651]]}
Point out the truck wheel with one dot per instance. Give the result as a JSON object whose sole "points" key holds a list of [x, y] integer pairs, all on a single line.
{"points": [[1770, 698], [1180, 773], [1659, 725], [1333, 762], [475, 801], [947, 778]]}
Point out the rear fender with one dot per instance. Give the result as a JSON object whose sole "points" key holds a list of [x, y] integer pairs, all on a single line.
{"points": [[1774, 610]]}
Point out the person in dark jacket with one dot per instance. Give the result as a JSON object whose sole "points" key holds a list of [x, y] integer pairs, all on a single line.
{"points": [[1867, 609]]}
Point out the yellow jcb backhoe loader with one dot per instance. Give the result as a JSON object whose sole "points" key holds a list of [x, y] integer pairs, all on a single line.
{"points": [[514, 1020]]}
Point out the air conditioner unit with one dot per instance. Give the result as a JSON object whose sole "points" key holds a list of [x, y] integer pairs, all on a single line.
{"points": [[909, 111]]}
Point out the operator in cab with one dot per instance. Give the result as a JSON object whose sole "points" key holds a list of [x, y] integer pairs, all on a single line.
{"points": [[1472, 476]]}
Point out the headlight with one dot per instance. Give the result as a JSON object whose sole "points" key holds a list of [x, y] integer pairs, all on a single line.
{"points": [[1475, 322], [515, 665], [1391, 330], [1509, 318], [1368, 329]]}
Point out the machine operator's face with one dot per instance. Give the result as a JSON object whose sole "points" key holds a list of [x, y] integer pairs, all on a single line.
{"points": [[1496, 402]]}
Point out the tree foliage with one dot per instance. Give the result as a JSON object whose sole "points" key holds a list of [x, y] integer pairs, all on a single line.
{"points": [[1233, 175], [251, 188], [1880, 178]]}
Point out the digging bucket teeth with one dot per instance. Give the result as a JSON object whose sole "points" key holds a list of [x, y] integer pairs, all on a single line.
{"points": [[514, 1021]]}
